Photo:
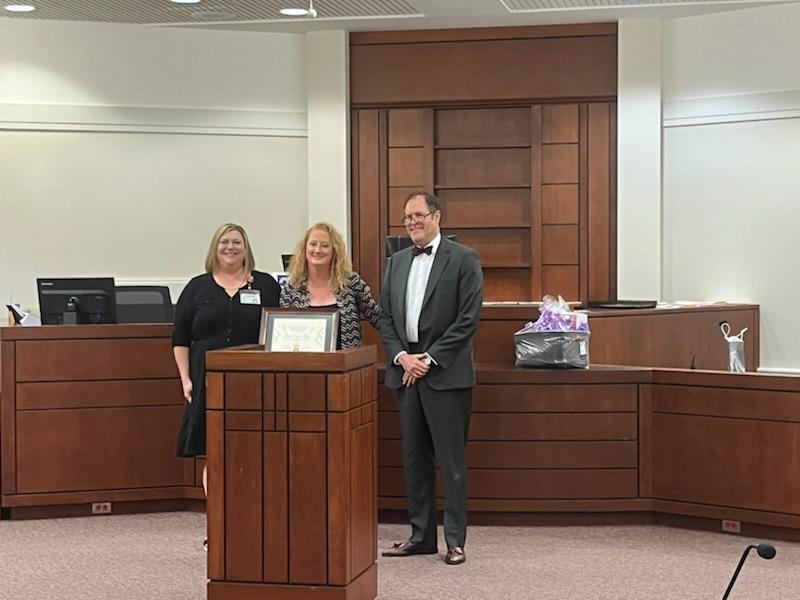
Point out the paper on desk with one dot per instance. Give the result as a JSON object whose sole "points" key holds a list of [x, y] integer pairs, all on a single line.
{"points": [[21, 317]]}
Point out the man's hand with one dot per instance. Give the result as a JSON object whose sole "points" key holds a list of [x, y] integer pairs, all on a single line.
{"points": [[415, 366]]}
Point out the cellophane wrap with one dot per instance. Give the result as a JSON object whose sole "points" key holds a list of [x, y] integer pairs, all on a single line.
{"points": [[559, 338]]}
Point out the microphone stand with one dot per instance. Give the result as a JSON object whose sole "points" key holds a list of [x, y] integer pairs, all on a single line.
{"points": [[764, 551]]}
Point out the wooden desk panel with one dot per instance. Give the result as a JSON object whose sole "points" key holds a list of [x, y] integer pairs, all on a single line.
{"points": [[663, 338], [98, 449], [727, 446], [547, 434], [616, 439], [91, 414]]}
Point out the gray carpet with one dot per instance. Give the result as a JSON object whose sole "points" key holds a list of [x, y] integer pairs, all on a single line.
{"points": [[159, 557]]}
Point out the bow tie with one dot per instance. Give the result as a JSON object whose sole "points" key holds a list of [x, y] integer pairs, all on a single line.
{"points": [[416, 251]]}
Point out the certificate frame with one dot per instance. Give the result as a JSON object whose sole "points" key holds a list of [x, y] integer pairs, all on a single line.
{"points": [[305, 330]]}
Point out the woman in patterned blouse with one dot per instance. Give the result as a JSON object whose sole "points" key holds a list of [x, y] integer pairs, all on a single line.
{"points": [[321, 276]]}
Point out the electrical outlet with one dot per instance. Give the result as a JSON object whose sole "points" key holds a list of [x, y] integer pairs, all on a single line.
{"points": [[730, 526], [101, 508]]}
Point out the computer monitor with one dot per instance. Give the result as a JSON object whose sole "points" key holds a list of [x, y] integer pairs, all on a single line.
{"points": [[395, 243], [77, 300]]}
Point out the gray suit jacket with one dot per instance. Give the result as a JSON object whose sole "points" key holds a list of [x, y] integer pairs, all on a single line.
{"points": [[450, 313]]}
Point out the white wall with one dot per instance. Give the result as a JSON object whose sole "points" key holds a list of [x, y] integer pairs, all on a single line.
{"points": [[731, 197], [328, 129], [122, 148], [639, 159]]}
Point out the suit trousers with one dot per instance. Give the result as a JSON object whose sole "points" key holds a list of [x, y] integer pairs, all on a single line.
{"points": [[435, 425]]}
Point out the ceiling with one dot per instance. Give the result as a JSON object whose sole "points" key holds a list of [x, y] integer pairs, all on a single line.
{"points": [[366, 15]]}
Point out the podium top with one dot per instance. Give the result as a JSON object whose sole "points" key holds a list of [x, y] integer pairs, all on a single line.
{"points": [[252, 357]]}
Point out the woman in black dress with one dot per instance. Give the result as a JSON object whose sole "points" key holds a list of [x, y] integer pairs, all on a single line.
{"points": [[220, 308]]}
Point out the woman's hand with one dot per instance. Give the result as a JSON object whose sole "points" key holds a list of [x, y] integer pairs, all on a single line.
{"points": [[187, 389]]}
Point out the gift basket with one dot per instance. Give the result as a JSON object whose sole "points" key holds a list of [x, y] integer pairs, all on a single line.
{"points": [[558, 338]]}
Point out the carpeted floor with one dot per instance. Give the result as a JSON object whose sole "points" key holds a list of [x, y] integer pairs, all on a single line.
{"points": [[159, 557]]}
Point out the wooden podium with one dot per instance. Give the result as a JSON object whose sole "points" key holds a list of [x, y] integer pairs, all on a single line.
{"points": [[292, 474]]}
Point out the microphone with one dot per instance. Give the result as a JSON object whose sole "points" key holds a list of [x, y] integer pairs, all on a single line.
{"points": [[702, 345], [765, 551]]}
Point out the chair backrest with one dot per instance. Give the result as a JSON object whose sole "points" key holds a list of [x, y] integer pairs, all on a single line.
{"points": [[143, 304]]}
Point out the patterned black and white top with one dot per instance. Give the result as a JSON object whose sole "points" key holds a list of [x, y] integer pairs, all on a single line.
{"points": [[354, 299]]}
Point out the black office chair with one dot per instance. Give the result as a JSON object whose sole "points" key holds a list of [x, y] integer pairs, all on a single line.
{"points": [[143, 304]]}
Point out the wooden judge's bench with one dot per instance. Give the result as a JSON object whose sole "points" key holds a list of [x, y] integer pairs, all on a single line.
{"points": [[302, 452]]}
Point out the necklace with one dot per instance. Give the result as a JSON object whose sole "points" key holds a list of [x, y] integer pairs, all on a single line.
{"points": [[239, 283]]}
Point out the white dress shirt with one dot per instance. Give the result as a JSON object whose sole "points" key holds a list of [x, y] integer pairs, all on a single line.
{"points": [[415, 291]]}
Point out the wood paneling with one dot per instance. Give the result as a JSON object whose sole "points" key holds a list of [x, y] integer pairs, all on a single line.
{"points": [[521, 454], [706, 460], [531, 483], [560, 244], [307, 509], [536, 199], [502, 159], [498, 247], [482, 128], [505, 284], [407, 167], [243, 391], [486, 208], [483, 70], [483, 168], [340, 540], [559, 123], [243, 506], [560, 163], [110, 359], [363, 499], [8, 430], [407, 128], [554, 398], [674, 337], [369, 169], [539, 426], [95, 449], [599, 203], [561, 280], [306, 391], [276, 508], [95, 394], [560, 204]]}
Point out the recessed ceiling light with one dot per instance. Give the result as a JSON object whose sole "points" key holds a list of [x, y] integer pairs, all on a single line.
{"points": [[20, 8], [185, 1]]}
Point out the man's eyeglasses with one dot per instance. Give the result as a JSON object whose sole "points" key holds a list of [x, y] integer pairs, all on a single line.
{"points": [[415, 217]]}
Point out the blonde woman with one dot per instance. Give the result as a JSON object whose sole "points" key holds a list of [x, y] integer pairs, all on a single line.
{"points": [[220, 308], [321, 276]]}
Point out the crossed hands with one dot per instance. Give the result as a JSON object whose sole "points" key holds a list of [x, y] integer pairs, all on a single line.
{"points": [[415, 367]]}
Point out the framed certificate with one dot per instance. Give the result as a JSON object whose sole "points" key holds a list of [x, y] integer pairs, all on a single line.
{"points": [[288, 330]]}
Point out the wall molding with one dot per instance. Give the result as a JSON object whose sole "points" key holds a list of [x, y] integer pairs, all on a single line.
{"points": [[777, 370], [146, 119], [737, 108]]}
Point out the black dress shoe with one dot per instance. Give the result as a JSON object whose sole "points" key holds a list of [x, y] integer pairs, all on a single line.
{"points": [[409, 548], [455, 555]]}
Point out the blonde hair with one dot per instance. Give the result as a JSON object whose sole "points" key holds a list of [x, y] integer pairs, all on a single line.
{"points": [[341, 267], [211, 258]]}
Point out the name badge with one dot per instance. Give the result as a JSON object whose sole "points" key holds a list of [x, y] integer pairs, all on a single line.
{"points": [[250, 297]]}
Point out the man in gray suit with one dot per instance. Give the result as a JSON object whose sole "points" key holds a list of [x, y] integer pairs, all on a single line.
{"points": [[430, 306]]}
